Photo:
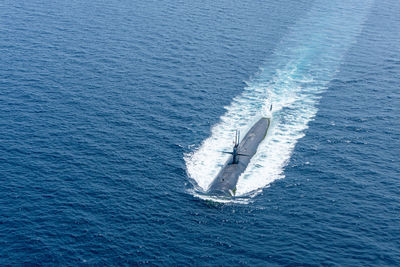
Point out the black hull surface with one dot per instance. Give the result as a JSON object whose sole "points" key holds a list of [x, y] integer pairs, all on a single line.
{"points": [[225, 182]]}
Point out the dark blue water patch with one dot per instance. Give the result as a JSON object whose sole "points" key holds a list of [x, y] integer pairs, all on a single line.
{"points": [[98, 103], [350, 152]]}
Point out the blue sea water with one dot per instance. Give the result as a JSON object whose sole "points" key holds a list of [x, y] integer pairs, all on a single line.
{"points": [[113, 113]]}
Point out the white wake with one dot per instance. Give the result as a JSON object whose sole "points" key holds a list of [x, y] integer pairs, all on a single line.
{"points": [[300, 70]]}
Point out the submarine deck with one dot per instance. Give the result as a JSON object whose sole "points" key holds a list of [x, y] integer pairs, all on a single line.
{"points": [[226, 180]]}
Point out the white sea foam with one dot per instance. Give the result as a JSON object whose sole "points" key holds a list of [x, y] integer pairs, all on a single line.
{"points": [[298, 72]]}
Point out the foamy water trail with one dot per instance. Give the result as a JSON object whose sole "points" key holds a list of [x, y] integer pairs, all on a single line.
{"points": [[300, 70]]}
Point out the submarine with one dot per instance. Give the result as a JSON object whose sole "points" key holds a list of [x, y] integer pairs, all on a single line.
{"points": [[225, 182]]}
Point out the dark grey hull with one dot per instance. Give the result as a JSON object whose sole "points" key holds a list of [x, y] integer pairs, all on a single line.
{"points": [[225, 182]]}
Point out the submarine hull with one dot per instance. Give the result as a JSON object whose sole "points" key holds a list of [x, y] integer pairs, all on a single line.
{"points": [[225, 182]]}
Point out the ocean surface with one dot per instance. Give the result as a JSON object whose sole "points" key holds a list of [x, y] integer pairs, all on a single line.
{"points": [[113, 116]]}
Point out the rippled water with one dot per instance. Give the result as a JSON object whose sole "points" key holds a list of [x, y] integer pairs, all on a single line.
{"points": [[112, 116]]}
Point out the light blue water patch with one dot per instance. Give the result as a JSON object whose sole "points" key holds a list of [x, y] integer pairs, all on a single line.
{"points": [[291, 79]]}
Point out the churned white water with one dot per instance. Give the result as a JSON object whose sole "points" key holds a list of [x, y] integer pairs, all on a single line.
{"points": [[300, 69]]}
